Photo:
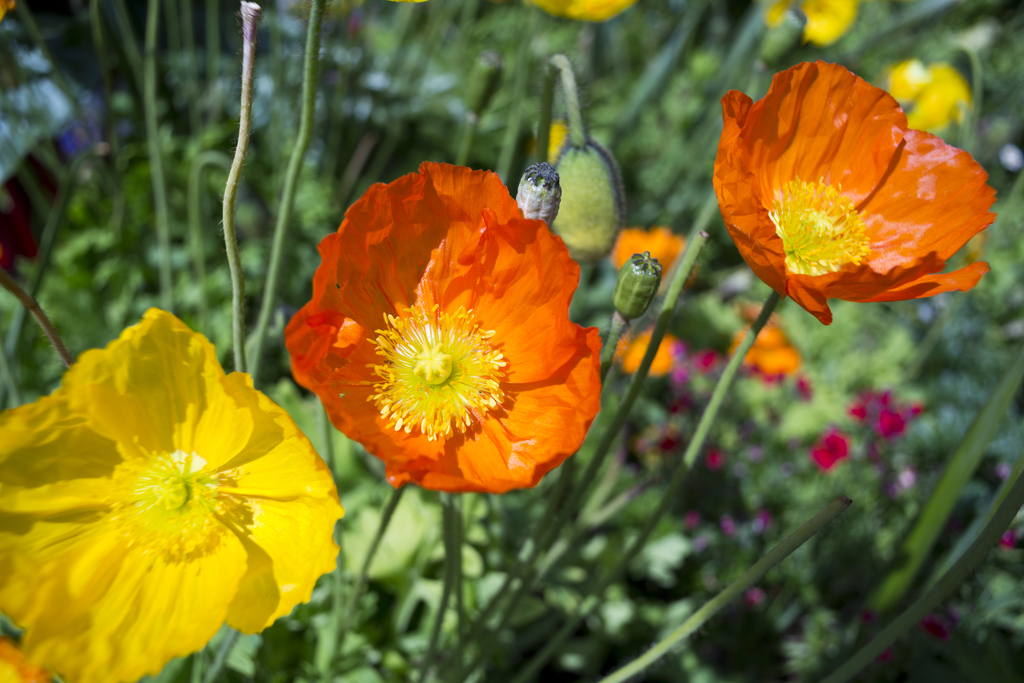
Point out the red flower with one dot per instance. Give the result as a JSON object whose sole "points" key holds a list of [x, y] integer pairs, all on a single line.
{"points": [[935, 626], [714, 459], [829, 195], [1008, 539], [831, 448], [438, 335], [890, 423]]}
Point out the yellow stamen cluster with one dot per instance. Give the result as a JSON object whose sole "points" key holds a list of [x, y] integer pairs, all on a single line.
{"points": [[167, 502], [439, 371], [820, 230]]}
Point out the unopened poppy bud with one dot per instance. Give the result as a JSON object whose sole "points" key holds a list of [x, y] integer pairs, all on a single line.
{"points": [[639, 279], [539, 193], [593, 206], [483, 82], [783, 37]]}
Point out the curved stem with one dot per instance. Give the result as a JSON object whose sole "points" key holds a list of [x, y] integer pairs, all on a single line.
{"points": [[33, 307], [195, 231], [618, 326], [291, 179], [700, 435], [968, 562], [577, 134], [734, 590], [156, 164], [250, 20]]}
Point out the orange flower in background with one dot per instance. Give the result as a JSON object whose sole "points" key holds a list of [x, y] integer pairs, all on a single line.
{"points": [[15, 668], [438, 335], [631, 352], [663, 244], [772, 353], [829, 195]]}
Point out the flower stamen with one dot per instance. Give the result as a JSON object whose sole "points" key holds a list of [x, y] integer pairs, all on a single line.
{"points": [[439, 371], [820, 230]]}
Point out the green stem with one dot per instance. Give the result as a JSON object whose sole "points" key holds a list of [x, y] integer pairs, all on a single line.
{"points": [[99, 45], [515, 118], [449, 584], [196, 672], [360, 584], [212, 59], [918, 544], [33, 307], [309, 81], [195, 229], [195, 121], [734, 590], [250, 20], [130, 44], [968, 562], [213, 673], [696, 444], [618, 326], [156, 163], [577, 133], [547, 102], [468, 135]]}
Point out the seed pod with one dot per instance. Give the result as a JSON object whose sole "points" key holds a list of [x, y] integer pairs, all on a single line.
{"points": [[639, 279], [593, 206], [539, 193]]}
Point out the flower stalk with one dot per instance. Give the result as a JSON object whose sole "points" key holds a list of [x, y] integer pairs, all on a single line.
{"points": [[250, 20], [33, 307], [577, 133], [291, 181]]}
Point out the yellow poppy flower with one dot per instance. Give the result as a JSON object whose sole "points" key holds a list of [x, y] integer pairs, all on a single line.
{"points": [[148, 500], [585, 10], [827, 20], [933, 96]]}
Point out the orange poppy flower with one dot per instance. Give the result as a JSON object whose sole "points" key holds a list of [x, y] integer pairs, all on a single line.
{"points": [[772, 353], [438, 335], [829, 195], [631, 352], [663, 244]]}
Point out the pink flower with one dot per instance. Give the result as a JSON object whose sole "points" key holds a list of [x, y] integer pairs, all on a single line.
{"points": [[762, 520], [803, 388], [691, 520], [830, 449], [890, 424], [714, 459], [1009, 539], [705, 361], [935, 626], [754, 596], [728, 525]]}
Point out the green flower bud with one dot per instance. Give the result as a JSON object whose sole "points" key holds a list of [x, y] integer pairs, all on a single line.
{"points": [[593, 206], [637, 285], [782, 38], [539, 193], [483, 82]]}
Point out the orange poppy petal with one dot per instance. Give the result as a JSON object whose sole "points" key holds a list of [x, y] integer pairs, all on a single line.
{"points": [[930, 285], [934, 198]]}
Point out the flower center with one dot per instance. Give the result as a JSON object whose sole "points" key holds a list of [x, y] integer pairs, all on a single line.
{"points": [[820, 230], [169, 503], [439, 371]]}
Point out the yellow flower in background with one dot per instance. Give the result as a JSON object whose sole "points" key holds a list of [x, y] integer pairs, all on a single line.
{"points": [[585, 10], [663, 244], [933, 96], [827, 20], [556, 138], [14, 668], [148, 500]]}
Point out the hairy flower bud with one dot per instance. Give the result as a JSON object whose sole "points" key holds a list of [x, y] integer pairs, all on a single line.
{"points": [[593, 205], [639, 279], [539, 193]]}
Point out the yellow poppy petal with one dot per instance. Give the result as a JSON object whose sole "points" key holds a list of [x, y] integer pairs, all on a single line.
{"points": [[828, 20], [585, 10], [288, 521], [103, 608]]}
